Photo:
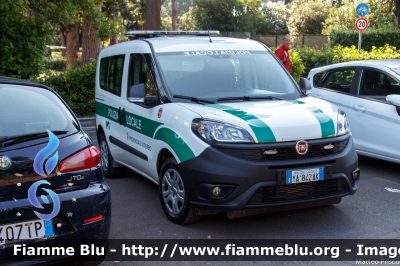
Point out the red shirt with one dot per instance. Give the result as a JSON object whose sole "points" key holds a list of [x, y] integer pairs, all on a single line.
{"points": [[283, 54]]}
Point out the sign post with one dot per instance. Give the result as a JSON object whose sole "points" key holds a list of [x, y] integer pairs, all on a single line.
{"points": [[361, 23]]}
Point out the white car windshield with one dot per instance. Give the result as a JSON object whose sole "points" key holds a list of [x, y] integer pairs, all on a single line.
{"points": [[221, 74]]}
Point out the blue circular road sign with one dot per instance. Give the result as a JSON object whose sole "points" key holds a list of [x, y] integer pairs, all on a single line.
{"points": [[362, 9]]}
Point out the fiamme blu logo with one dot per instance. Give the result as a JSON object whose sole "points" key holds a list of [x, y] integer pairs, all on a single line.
{"points": [[45, 169]]}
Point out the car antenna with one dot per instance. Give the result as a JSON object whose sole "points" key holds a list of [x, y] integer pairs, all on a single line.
{"points": [[208, 30]]}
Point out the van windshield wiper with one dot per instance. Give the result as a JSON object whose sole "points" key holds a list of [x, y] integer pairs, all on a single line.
{"points": [[193, 99], [31, 135], [248, 98]]}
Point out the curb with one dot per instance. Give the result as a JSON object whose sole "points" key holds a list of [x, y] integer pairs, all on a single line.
{"points": [[87, 121], [87, 118]]}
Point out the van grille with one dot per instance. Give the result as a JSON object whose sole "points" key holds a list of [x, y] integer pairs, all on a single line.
{"points": [[286, 153], [302, 191]]}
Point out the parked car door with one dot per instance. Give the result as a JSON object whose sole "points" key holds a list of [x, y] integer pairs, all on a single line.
{"points": [[335, 85], [373, 121]]}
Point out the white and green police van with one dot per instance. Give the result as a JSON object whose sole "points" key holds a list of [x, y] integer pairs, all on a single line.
{"points": [[220, 125]]}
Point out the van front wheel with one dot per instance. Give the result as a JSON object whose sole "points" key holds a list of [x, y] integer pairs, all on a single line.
{"points": [[174, 195]]}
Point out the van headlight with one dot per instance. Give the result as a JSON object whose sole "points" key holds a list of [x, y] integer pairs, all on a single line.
{"points": [[211, 131], [342, 123]]}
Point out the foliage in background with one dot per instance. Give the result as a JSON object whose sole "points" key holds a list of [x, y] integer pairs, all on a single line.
{"points": [[226, 15], [312, 58], [342, 15], [132, 13], [370, 38], [75, 86], [345, 54], [165, 19], [297, 65], [187, 21], [230, 16], [307, 17], [22, 41], [276, 14], [56, 65], [182, 6]]}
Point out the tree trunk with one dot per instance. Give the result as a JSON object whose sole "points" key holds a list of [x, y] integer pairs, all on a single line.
{"points": [[174, 13], [397, 11], [114, 39], [72, 37], [63, 40], [153, 18], [90, 44]]}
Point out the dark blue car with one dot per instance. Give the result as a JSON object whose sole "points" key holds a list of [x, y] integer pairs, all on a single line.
{"points": [[51, 185]]}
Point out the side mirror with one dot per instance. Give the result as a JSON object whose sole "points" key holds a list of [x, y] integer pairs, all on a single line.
{"points": [[305, 86], [137, 93], [395, 100]]}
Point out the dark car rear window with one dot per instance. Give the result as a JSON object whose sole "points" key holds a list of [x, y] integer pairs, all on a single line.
{"points": [[26, 109]]}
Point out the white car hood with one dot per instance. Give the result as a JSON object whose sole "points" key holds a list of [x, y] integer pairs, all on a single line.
{"points": [[275, 121]]}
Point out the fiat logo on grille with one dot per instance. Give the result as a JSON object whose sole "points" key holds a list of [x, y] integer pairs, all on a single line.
{"points": [[301, 147], [5, 162]]}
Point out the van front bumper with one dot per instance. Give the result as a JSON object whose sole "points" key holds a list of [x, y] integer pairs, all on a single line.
{"points": [[230, 177]]}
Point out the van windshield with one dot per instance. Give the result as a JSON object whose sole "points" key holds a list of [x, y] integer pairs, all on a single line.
{"points": [[220, 74]]}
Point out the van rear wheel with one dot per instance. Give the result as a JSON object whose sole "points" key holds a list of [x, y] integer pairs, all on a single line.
{"points": [[174, 195], [107, 161]]}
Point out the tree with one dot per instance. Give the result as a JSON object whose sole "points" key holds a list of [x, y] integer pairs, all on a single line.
{"points": [[307, 17], [225, 16], [70, 16], [153, 18], [174, 13], [187, 21], [343, 16], [132, 13], [277, 15], [23, 36], [397, 12]]}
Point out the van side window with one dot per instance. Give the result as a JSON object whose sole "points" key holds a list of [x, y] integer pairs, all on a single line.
{"points": [[139, 72], [111, 69]]}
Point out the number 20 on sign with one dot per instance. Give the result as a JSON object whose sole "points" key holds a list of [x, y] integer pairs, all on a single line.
{"points": [[361, 24]]}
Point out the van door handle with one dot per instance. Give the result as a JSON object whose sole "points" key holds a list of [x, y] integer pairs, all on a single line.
{"points": [[123, 118], [359, 108], [120, 116]]}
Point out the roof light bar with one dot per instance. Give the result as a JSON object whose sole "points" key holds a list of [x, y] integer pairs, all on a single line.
{"points": [[152, 33]]}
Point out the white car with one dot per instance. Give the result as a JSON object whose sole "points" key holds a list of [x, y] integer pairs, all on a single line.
{"points": [[219, 125], [369, 93]]}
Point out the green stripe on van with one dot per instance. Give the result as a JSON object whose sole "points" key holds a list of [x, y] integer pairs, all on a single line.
{"points": [[137, 123], [262, 131], [142, 125], [107, 111], [325, 121], [180, 147]]}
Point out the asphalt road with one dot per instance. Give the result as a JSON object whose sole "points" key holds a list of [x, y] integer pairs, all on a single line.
{"points": [[372, 213]]}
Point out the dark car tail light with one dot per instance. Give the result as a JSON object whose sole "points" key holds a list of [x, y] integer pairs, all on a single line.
{"points": [[92, 219], [89, 157]]}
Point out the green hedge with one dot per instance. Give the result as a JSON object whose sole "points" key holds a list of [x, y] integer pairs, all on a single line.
{"points": [[75, 86], [56, 65], [312, 58], [370, 38]]}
